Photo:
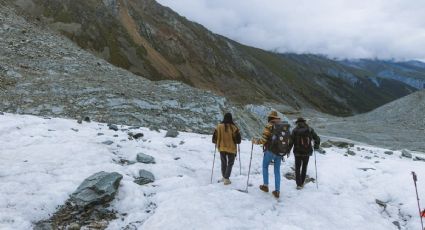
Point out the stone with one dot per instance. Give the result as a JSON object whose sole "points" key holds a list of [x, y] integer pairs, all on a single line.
{"points": [[172, 133], [397, 224], [181, 143], [100, 134], [113, 127], [43, 226], [350, 152], [146, 159], [99, 188], [87, 119], [405, 153], [80, 121], [389, 152], [145, 177], [74, 226], [75, 130], [417, 158], [381, 203], [366, 169], [138, 135], [341, 144], [1, 113], [326, 144], [176, 158], [108, 142]]}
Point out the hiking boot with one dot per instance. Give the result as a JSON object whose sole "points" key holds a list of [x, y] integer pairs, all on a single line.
{"points": [[264, 188], [227, 182], [299, 187], [276, 194]]}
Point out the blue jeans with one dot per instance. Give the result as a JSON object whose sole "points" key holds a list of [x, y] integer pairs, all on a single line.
{"points": [[268, 157]]}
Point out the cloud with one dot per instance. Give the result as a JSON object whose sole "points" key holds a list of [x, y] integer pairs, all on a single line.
{"points": [[338, 28]]}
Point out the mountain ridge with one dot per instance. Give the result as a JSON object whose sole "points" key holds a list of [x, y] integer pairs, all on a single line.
{"points": [[155, 42]]}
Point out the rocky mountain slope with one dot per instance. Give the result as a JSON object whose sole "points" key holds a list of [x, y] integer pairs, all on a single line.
{"points": [[399, 124], [410, 72], [153, 41], [44, 73]]}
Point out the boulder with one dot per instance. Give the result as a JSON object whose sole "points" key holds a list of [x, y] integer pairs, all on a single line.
{"points": [[113, 127], [146, 159], [321, 151], [417, 158], [389, 152], [145, 177], [107, 142], [350, 152], [326, 144], [138, 135], [87, 119], [172, 133], [341, 144], [405, 153], [99, 188]]}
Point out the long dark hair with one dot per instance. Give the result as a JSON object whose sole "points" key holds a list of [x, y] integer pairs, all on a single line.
{"points": [[227, 120]]}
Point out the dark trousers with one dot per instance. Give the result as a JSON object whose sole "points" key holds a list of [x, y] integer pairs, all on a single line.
{"points": [[301, 164], [227, 161]]}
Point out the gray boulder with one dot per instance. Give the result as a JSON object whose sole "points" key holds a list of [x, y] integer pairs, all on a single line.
{"points": [[113, 127], [417, 158], [341, 144], [99, 188], [146, 159], [326, 144], [145, 177], [107, 142], [389, 152], [350, 152], [406, 154], [172, 133]]}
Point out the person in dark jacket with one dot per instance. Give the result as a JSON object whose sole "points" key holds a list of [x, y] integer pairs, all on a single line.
{"points": [[226, 137], [302, 136]]}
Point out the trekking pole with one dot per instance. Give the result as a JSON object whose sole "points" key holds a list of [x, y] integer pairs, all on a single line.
{"points": [[239, 152], [249, 168], [415, 178], [212, 170], [315, 165]]}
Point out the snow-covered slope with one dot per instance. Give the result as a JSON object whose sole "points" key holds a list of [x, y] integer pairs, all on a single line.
{"points": [[44, 160]]}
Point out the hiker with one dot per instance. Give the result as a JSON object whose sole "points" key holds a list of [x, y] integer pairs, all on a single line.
{"points": [[226, 137], [302, 135], [272, 134]]}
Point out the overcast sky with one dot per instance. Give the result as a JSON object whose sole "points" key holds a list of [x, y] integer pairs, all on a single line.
{"points": [[337, 28]]}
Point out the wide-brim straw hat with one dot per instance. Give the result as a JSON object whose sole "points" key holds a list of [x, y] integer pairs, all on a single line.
{"points": [[273, 114]]}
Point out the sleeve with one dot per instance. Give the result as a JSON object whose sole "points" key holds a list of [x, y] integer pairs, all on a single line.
{"points": [[214, 137], [316, 139], [266, 135], [238, 138]]}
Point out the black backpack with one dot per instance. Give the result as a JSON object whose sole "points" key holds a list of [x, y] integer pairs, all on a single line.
{"points": [[280, 141], [303, 140]]}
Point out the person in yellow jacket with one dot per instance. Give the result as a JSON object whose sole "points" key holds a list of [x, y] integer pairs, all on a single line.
{"points": [[226, 137]]}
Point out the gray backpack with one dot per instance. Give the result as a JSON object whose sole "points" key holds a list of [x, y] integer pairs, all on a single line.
{"points": [[280, 143]]}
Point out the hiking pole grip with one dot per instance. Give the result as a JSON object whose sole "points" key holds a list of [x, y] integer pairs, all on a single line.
{"points": [[212, 170]]}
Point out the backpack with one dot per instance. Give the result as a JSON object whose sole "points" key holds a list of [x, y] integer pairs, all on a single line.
{"points": [[303, 140], [280, 143]]}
